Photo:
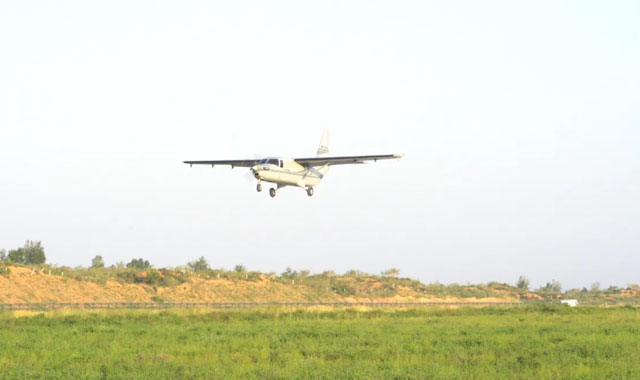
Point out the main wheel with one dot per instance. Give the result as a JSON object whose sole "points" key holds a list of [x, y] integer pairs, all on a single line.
{"points": [[272, 192], [259, 187], [310, 191]]}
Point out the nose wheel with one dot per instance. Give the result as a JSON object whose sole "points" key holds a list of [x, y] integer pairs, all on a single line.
{"points": [[259, 187], [272, 192], [310, 191]]}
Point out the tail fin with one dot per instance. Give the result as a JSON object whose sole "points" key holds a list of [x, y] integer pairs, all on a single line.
{"points": [[323, 149]]}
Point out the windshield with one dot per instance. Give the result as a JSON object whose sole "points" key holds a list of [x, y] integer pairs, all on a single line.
{"points": [[269, 161]]}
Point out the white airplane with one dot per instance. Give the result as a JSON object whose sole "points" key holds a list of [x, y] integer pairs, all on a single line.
{"points": [[300, 172]]}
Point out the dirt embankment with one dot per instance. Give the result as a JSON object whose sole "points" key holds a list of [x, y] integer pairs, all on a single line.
{"points": [[27, 285]]}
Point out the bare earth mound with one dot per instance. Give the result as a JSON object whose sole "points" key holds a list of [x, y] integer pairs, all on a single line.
{"points": [[32, 286]]}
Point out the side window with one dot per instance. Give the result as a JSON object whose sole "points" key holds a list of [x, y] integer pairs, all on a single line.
{"points": [[280, 163]]}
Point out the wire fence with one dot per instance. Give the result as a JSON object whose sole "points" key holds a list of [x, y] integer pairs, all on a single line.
{"points": [[48, 306]]}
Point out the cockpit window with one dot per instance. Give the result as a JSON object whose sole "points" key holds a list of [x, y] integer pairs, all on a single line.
{"points": [[270, 161]]}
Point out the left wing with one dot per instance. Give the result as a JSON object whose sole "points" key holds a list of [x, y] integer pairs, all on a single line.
{"points": [[232, 163], [344, 160]]}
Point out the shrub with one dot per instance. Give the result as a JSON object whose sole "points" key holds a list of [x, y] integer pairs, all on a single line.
{"points": [[355, 273], [612, 290], [523, 283], [289, 273], [152, 277], [97, 262], [139, 264], [199, 265], [551, 287], [392, 272]]}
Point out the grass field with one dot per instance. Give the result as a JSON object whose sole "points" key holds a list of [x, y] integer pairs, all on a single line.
{"points": [[542, 342]]}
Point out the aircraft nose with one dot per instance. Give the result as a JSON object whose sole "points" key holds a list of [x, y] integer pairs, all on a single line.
{"points": [[256, 172]]}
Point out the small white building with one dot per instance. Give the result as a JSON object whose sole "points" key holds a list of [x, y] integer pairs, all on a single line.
{"points": [[571, 303]]}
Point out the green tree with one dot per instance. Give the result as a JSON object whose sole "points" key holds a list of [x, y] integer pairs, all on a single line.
{"points": [[305, 273], [523, 283], [612, 290], [289, 273], [17, 256], [551, 287], [356, 273], [199, 265], [139, 264], [3, 254], [35, 253], [97, 262], [32, 253], [240, 268]]}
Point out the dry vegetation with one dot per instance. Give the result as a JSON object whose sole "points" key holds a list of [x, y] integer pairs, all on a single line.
{"points": [[45, 283]]}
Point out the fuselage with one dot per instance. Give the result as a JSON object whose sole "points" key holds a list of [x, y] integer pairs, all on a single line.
{"points": [[287, 172]]}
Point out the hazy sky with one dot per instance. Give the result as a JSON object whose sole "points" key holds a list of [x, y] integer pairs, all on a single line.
{"points": [[520, 121]]}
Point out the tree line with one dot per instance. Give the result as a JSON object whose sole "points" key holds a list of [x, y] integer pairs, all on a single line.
{"points": [[32, 253]]}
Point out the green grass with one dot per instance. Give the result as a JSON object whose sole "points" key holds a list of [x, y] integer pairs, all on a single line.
{"points": [[533, 342]]}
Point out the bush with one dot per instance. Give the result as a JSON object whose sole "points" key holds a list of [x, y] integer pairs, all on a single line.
{"points": [[523, 283], [152, 277], [139, 264], [97, 262], [289, 273], [392, 272], [240, 268], [551, 287], [355, 273], [199, 265]]}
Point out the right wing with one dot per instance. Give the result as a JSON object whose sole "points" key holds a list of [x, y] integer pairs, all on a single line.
{"points": [[232, 163], [344, 160]]}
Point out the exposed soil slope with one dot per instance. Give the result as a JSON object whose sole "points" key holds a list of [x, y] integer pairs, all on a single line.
{"points": [[28, 285], [22, 284]]}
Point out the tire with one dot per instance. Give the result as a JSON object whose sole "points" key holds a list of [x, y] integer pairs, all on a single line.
{"points": [[310, 191], [259, 187], [272, 192]]}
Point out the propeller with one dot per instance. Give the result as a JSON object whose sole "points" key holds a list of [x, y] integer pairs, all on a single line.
{"points": [[249, 175]]}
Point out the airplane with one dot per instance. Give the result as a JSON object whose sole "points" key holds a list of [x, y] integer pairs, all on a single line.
{"points": [[299, 172]]}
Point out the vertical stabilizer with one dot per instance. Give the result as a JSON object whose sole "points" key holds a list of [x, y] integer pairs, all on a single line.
{"points": [[323, 149]]}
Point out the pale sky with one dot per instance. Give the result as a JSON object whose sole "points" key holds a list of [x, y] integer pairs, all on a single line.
{"points": [[520, 121]]}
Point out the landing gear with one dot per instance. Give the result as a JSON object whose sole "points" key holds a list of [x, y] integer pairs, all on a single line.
{"points": [[310, 191], [272, 192], [259, 187]]}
